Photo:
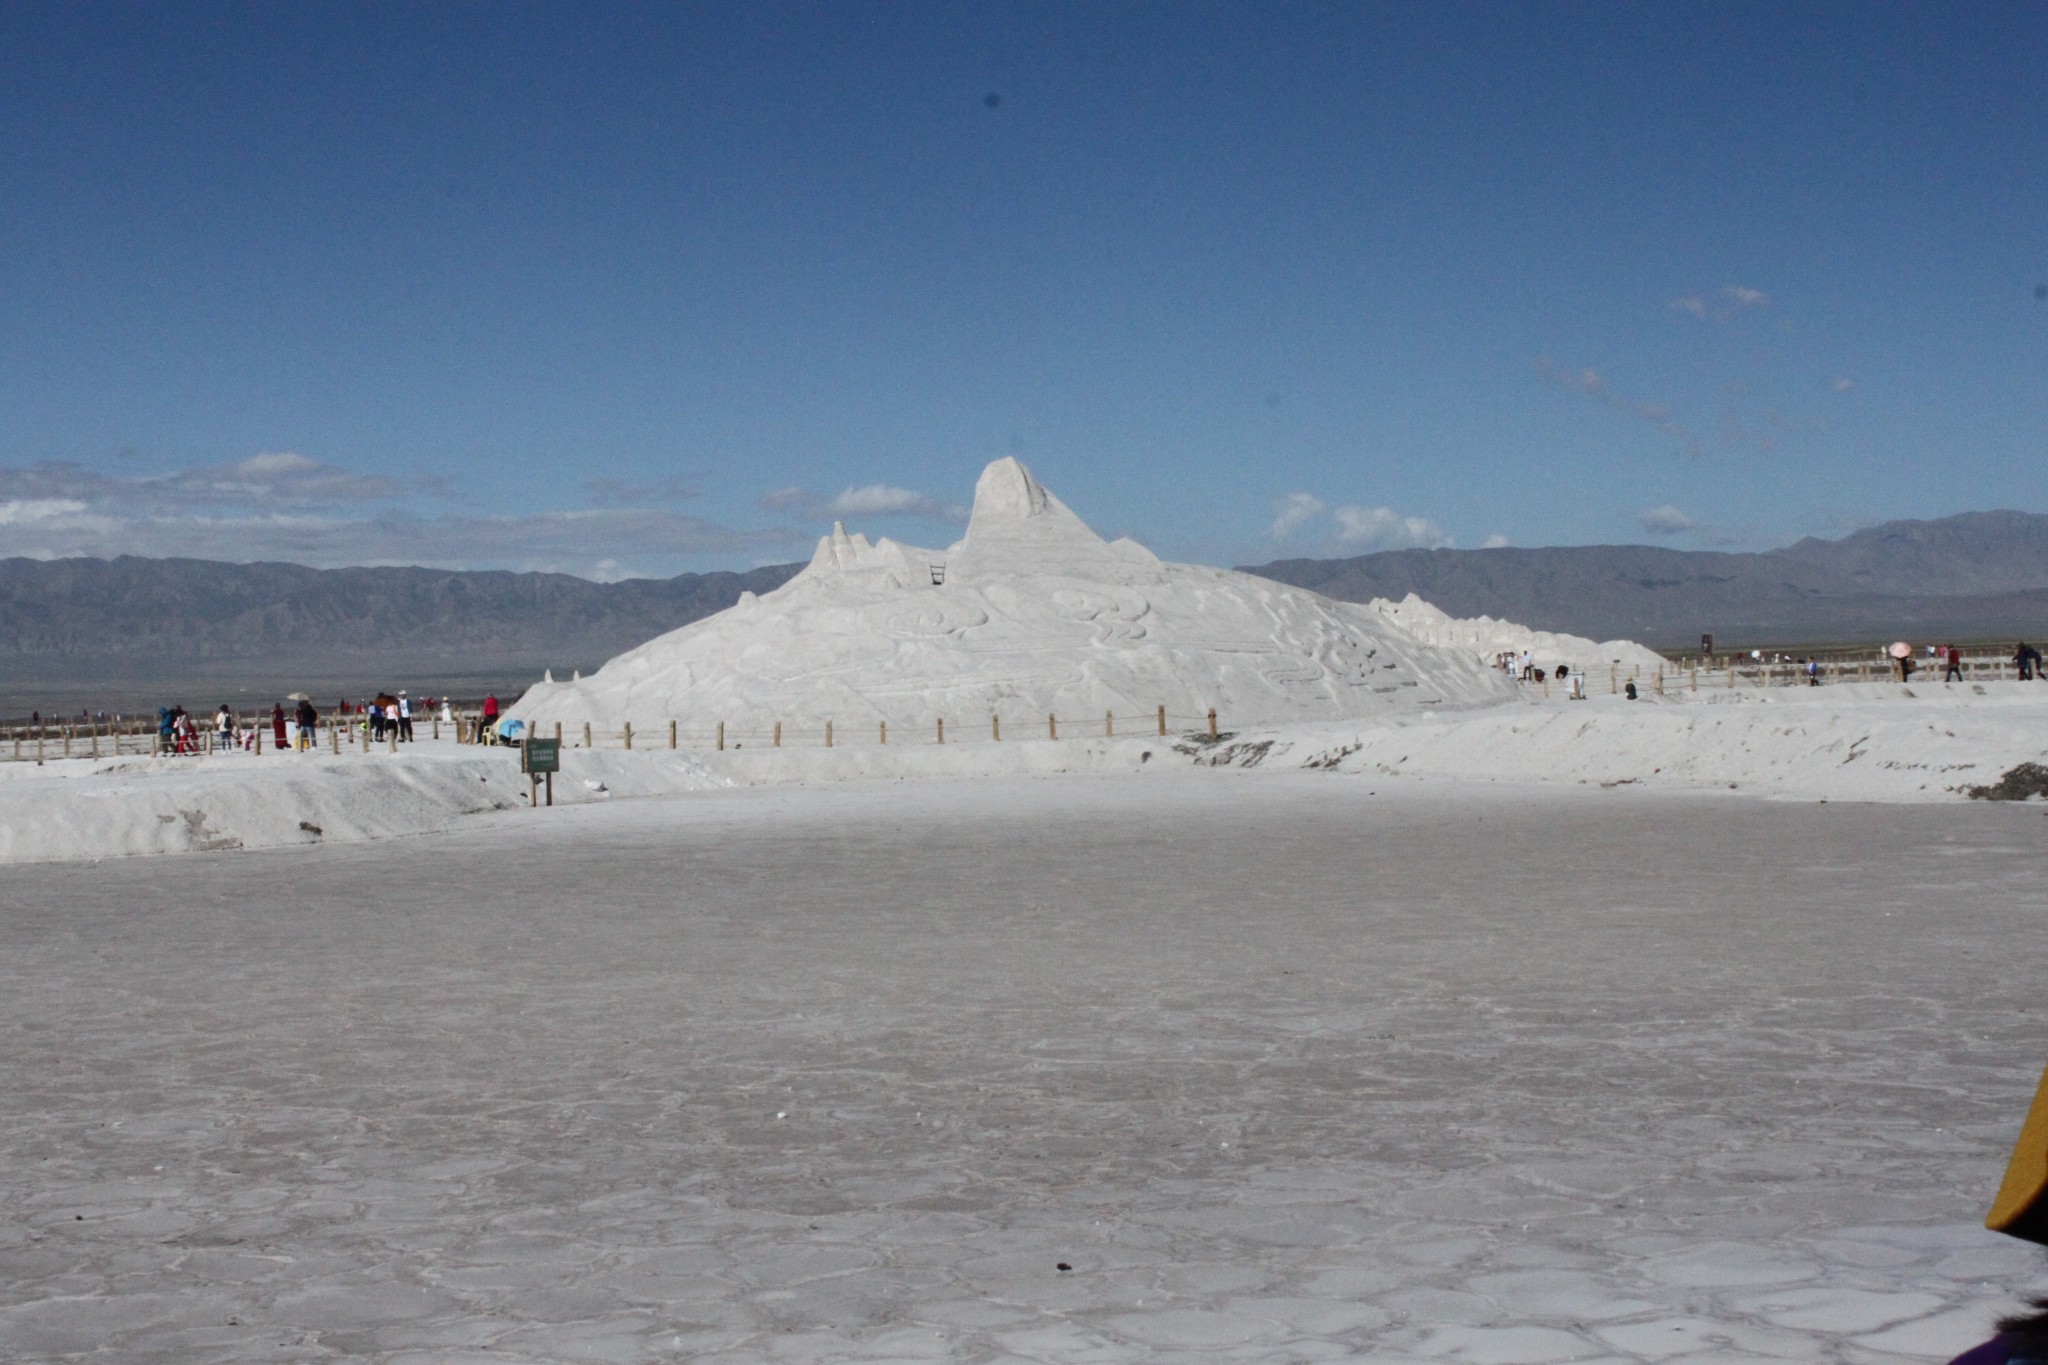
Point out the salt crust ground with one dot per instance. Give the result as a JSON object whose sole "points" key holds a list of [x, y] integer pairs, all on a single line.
{"points": [[1865, 742], [1284, 1066]]}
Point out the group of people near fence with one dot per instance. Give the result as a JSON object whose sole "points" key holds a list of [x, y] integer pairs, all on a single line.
{"points": [[1524, 668], [178, 733], [385, 717], [390, 717]]}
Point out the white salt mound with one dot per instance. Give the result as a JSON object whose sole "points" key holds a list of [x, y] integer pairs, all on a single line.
{"points": [[1484, 637], [1031, 613]]}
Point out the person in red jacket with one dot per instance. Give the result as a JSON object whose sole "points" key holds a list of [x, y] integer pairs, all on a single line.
{"points": [[1955, 665], [2021, 1210], [489, 733]]}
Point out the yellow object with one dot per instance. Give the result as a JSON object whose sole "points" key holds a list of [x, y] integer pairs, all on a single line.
{"points": [[2021, 1208]]}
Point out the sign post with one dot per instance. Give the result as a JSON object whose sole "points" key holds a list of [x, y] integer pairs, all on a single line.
{"points": [[538, 758]]}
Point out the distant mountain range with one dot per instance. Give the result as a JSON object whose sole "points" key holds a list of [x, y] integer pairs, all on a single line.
{"points": [[1975, 576], [126, 631]]}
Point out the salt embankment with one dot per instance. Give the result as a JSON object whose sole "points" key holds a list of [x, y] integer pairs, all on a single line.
{"points": [[1030, 614], [1853, 742], [69, 810]]}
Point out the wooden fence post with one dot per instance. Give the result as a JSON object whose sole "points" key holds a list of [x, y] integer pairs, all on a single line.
{"points": [[1659, 683], [1613, 678], [942, 729], [67, 741], [828, 734], [1162, 720], [1052, 726], [334, 734], [629, 734], [778, 734], [1212, 722], [1695, 680], [995, 727], [586, 734], [721, 736], [1109, 725], [1731, 672], [884, 729], [671, 734]]}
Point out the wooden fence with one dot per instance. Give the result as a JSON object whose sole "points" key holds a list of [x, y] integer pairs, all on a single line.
{"points": [[139, 737], [1728, 671], [719, 736]]}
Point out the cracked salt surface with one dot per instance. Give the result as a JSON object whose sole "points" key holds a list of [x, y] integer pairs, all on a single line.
{"points": [[801, 1074]]}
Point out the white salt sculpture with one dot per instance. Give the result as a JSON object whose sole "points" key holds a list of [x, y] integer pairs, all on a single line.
{"points": [[1030, 613]]}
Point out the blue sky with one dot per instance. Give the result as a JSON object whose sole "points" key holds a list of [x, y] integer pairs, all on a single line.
{"points": [[634, 289]]}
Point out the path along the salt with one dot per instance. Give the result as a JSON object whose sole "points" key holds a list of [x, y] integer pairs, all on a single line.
{"points": [[1097, 1069]]}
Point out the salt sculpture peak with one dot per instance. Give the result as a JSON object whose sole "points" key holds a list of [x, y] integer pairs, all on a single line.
{"points": [[1029, 612]]}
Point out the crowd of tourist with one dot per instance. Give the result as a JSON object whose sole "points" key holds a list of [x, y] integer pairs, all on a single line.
{"points": [[292, 724]]}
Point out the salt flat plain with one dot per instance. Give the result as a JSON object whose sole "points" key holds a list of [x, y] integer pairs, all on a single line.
{"points": [[1283, 1066]]}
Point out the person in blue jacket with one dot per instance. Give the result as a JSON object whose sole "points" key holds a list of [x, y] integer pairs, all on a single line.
{"points": [[2021, 1210]]}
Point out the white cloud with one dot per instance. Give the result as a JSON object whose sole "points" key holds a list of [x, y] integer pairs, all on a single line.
{"points": [[881, 500], [284, 506], [1843, 385], [1723, 304], [1291, 511], [1354, 529], [23, 510], [594, 542], [873, 500], [1664, 521], [1382, 528], [269, 481], [1496, 541]]}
